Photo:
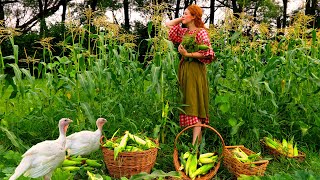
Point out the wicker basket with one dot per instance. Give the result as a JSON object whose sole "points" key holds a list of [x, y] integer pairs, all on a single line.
{"points": [[236, 167], [301, 157], [176, 161], [128, 164]]}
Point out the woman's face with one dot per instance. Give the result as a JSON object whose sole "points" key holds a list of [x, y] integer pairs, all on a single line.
{"points": [[187, 17]]}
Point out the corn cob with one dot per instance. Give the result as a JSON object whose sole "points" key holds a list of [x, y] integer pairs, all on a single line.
{"points": [[71, 168], [290, 147], [271, 143], [203, 47], [68, 162], [108, 144], [206, 155], [207, 160], [284, 143], [188, 164], [295, 150], [183, 162], [150, 144], [93, 163], [79, 158], [202, 170], [193, 164], [254, 157], [186, 155], [122, 145], [137, 139], [240, 155]]}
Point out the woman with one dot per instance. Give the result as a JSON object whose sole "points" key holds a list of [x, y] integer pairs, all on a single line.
{"points": [[192, 68]]}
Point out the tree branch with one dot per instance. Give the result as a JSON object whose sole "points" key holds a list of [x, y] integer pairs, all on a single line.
{"points": [[48, 12], [7, 2], [224, 4]]}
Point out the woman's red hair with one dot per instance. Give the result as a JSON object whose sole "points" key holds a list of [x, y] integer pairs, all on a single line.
{"points": [[196, 11]]}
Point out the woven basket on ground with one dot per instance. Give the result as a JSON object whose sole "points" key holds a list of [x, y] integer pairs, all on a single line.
{"points": [[236, 167], [128, 164], [176, 161], [301, 157]]}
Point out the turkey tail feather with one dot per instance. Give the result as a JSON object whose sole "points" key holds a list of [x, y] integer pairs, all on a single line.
{"points": [[22, 167]]}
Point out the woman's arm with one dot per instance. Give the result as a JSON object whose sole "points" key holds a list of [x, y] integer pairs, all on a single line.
{"points": [[173, 22]]}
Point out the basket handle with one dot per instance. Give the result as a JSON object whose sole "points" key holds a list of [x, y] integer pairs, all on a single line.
{"points": [[231, 147], [258, 162], [197, 125], [101, 139]]}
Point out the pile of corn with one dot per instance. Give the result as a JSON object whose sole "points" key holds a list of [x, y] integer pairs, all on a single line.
{"points": [[194, 166], [129, 143], [243, 157], [285, 147], [76, 163]]}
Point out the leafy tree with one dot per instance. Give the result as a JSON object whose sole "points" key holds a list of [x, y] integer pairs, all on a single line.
{"points": [[312, 9], [2, 9]]}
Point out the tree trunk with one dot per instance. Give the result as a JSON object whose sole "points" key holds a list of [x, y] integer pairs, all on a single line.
{"points": [[212, 6], [284, 20], [278, 22], [311, 6], [186, 4], [31, 22], [126, 14], [2, 3], [64, 10], [93, 5], [1, 14], [236, 10], [176, 14], [41, 18]]}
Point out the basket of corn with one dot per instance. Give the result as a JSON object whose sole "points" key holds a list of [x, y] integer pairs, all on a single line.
{"points": [[129, 154], [193, 164], [285, 148], [241, 160]]}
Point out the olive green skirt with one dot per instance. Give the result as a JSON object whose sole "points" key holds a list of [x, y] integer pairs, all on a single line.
{"points": [[194, 87]]}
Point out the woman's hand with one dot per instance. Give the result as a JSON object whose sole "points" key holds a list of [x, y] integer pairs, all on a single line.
{"points": [[182, 50]]}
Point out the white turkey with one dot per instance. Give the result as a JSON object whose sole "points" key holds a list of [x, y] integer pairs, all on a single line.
{"points": [[43, 158], [85, 142]]}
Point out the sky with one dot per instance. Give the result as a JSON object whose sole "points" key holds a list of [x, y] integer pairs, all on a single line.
{"points": [[219, 14]]}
